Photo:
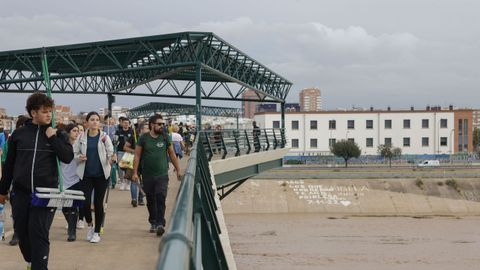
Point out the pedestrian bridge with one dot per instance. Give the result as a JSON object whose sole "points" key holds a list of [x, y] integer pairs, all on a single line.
{"points": [[196, 237]]}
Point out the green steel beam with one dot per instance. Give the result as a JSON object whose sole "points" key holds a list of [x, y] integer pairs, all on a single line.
{"points": [[122, 65], [226, 178], [198, 95], [182, 109]]}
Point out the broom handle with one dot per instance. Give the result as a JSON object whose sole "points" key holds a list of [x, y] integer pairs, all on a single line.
{"points": [[46, 78]]}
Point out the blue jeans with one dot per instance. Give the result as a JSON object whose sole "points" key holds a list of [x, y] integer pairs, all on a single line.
{"points": [[135, 192]]}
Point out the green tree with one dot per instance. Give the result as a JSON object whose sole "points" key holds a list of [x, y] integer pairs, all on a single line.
{"points": [[346, 150], [388, 151]]}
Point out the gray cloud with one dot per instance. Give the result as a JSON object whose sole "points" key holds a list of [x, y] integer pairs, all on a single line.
{"points": [[362, 62]]}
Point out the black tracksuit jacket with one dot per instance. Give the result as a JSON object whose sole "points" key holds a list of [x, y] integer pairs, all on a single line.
{"points": [[29, 148]]}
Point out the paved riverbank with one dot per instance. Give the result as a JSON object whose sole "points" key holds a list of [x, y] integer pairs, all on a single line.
{"points": [[313, 241]]}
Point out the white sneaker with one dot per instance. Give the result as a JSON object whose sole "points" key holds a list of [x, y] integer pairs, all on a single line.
{"points": [[122, 186], [90, 233], [96, 238], [80, 224], [127, 188]]}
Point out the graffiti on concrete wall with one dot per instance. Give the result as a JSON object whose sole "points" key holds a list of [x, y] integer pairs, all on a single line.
{"points": [[345, 195], [472, 195]]}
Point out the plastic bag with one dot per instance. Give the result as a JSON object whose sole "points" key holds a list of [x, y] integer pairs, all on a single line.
{"points": [[127, 161]]}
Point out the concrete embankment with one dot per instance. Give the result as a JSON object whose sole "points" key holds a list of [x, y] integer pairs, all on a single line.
{"points": [[362, 197]]}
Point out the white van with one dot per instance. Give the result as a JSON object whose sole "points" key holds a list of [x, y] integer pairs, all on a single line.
{"points": [[429, 163]]}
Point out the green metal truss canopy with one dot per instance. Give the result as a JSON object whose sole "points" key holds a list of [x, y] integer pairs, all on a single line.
{"points": [[171, 109], [119, 66]]}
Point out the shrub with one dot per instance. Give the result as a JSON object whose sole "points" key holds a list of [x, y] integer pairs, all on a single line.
{"points": [[419, 183]]}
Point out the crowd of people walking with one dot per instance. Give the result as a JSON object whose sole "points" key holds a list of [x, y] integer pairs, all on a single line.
{"points": [[89, 155]]}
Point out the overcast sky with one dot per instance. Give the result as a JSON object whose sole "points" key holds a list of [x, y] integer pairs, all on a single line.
{"points": [[358, 52]]}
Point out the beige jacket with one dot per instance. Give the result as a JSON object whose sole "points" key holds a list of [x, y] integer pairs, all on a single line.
{"points": [[105, 152]]}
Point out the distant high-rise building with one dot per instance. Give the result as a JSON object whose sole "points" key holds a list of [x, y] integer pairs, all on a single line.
{"points": [[310, 100], [249, 106]]}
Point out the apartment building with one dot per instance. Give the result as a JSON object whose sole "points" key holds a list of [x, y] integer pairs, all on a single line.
{"points": [[416, 132]]}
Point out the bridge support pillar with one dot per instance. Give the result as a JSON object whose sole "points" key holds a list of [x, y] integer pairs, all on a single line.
{"points": [[198, 98]]}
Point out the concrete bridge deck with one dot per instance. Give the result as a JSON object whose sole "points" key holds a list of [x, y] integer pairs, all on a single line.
{"points": [[126, 243]]}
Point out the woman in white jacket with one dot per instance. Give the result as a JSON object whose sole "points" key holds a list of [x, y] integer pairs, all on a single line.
{"points": [[94, 151]]}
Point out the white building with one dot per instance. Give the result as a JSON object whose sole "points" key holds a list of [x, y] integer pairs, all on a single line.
{"points": [[117, 111], [415, 132]]}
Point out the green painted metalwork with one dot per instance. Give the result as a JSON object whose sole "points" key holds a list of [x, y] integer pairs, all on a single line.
{"points": [[120, 66], [246, 172], [111, 100], [46, 79], [171, 109], [198, 97], [192, 240], [232, 142]]}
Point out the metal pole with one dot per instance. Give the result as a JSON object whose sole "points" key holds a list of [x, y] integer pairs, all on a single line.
{"points": [[111, 100], [282, 124], [237, 122], [198, 107]]}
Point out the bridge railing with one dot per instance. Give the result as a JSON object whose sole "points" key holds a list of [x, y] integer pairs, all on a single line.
{"points": [[192, 240], [234, 142]]}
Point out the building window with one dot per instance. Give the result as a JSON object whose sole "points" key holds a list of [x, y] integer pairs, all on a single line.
{"points": [[313, 124], [369, 124], [294, 125], [331, 142], [350, 124], [424, 123], [443, 141], [294, 143], [406, 123], [388, 141], [276, 124], [351, 140], [313, 143], [443, 123], [424, 141], [332, 124], [406, 141], [369, 142], [388, 124]]}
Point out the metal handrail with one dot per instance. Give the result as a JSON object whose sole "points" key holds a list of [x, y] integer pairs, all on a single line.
{"points": [[192, 240], [176, 246], [236, 142]]}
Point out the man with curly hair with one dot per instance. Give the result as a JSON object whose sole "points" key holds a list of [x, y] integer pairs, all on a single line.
{"points": [[32, 162]]}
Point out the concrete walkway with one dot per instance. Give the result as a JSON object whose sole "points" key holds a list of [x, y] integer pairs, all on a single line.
{"points": [[126, 243]]}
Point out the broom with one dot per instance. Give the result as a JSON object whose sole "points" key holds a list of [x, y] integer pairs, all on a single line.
{"points": [[53, 197]]}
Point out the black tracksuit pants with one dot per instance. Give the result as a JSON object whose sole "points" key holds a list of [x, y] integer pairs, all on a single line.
{"points": [[99, 185], [32, 226]]}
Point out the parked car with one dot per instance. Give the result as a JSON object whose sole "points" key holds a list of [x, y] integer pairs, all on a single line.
{"points": [[429, 163]]}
